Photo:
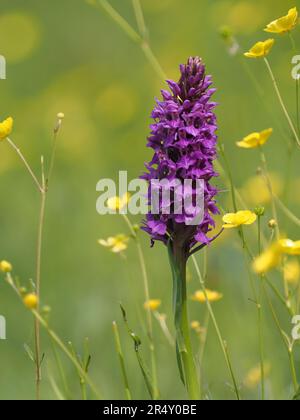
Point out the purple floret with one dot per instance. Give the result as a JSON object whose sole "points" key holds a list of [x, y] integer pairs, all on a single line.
{"points": [[184, 141]]}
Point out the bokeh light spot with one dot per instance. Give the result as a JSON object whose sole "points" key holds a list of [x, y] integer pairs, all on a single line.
{"points": [[117, 104], [20, 35]]}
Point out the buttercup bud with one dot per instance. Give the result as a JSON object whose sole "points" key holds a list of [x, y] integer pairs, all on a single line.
{"points": [[260, 211], [272, 224]]}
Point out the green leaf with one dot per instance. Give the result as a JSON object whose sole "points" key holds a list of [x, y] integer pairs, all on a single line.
{"points": [[29, 352], [137, 343], [297, 396]]}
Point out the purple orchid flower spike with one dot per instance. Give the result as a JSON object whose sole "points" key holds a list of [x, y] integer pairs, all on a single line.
{"points": [[184, 141], [183, 137]]}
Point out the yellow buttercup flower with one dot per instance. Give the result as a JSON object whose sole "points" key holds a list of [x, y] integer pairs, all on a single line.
{"points": [[253, 377], [6, 127], [118, 203], [268, 260], [290, 247], [31, 301], [284, 24], [271, 257], [5, 266], [260, 49], [116, 244], [256, 191], [152, 304], [234, 220], [195, 325], [255, 140], [212, 296], [292, 271]]}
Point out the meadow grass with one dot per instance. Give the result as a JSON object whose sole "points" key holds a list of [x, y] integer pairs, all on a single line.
{"points": [[269, 295]]}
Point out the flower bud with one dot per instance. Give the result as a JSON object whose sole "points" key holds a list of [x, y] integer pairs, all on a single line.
{"points": [[31, 301]]}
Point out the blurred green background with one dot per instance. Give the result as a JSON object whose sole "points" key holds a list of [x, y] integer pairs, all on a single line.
{"points": [[66, 56]]}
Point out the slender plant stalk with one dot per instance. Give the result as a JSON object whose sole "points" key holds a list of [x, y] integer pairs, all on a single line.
{"points": [[23, 159], [286, 342], [43, 189], [274, 210], [37, 334], [53, 153], [293, 369], [297, 105], [68, 353], [140, 18], [218, 331], [133, 35], [280, 297], [233, 195], [121, 360], [248, 253], [56, 340], [285, 111], [287, 211], [161, 319], [260, 323], [58, 393], [82, 382], [293, 42], [147, 297], [203, 340], [223, 174], [61, 371], [270, 188], [261, 94]]}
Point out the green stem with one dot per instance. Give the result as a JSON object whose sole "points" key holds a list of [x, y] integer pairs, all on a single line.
{"points": [[294, 47], [134, 36], [147, 298], [42, 191], [178, 263], [285, 111], [61, 371], [26, 164], [280, 297], [218, 331], [67, 352], [287, 211], [270, 189], [261, 94], [285, 341], [119, 20], [56, 339], [297, 105], [293, 370], [229, 173], [140, 18], [52, 158], [121, 360], [233, 195], [81, 379], [260, 323], [149, 54]]}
